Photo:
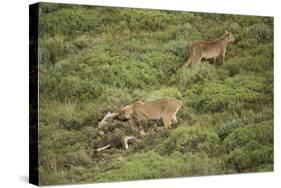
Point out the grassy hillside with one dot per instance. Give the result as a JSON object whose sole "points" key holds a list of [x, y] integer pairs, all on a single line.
{"points": [[94, 60]]}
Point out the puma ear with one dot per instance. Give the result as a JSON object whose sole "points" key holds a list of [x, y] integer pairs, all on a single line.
{"points": [[226, 32]]}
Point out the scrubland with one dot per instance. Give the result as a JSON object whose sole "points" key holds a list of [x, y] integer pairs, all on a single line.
{"points": [[93, 60]]}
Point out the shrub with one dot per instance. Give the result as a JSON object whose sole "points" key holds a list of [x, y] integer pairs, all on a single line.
{"points": [[245, 44], [73, 87], [53, 153], [115, 97], [266, 52], [232, 67], [52, 112], [188, 140], [47, 8], [250, 146], [68, 21], [56, 177], [164, 92], [247, 64], [83, 41], [201, 164], [183, 36], [244, 160], [70, 124], [51, 50], [153, 138], [235, 27], [126, 75], [63, 141], [249, 81], [79, 157], [177, 47], [196, 74], [261, 133], [205, 121], [146, 20], [249, 117], [218, 96], [149, 165], [262, 32], [162, 64]]}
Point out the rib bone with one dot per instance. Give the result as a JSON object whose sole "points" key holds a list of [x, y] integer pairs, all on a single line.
{"points": [[108, 116]]}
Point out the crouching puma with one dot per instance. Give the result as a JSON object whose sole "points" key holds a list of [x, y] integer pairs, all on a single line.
{"points": [[209, 49], [165, 109]]}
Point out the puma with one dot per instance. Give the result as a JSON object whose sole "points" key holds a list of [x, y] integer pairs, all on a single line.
{"points": [[165, 109], [209, 49]]}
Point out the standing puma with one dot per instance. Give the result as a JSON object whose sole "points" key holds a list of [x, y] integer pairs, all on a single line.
{"points": [[165, 109], [209, 49]]}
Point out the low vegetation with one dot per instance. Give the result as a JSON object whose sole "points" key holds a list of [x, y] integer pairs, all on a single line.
{"points": [[93, 60]]}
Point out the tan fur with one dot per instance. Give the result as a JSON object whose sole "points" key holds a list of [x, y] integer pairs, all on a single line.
{"points": [[165, 109], [209, 49]]}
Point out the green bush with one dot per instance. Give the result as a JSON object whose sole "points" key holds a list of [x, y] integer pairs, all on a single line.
{"points": [[262, 32], [56, 177], [249, 117], [266, 52], [68, 21], [165, 92], [261, 133], [53, 111], [53, 154], [219, 96], [50, 8], [51, 50], [83, 41], [197, 74], [247, 64], [153, 137], [140, 19], [235, 27], [250, 146], [177, 47], [245, 44], [78, 158], [250, 81], [182, 36], [151, 165], [188, 140], [71, 88], [117, 96]]}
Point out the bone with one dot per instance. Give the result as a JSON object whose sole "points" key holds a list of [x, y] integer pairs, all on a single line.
{"points": [[142, 133], [104, 121], [126, 139], [103, 148]]}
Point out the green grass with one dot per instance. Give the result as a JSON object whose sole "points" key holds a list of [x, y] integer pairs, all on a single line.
{"points": [[95, 59]]}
